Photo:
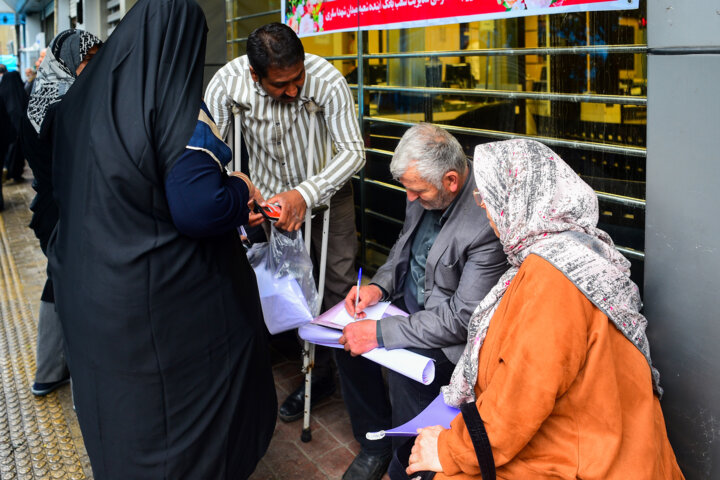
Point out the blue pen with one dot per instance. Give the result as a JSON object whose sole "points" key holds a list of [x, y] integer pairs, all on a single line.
{"points": [[357, 293]]}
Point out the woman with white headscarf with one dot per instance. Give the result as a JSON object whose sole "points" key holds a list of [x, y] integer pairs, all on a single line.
{"points": [[557, 362]]}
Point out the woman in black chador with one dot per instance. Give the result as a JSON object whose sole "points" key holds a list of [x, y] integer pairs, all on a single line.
{"points": [[159, 306], [14, 102]]}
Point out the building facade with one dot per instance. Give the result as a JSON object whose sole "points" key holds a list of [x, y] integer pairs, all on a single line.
{"points": [[577, 82], [625, 97], [38, 21]]}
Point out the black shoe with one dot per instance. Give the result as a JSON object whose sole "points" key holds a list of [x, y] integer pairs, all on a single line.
{"points": [[294, 405], [368, 466], [42, 389]]}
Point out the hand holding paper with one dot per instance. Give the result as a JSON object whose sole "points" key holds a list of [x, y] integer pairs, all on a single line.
{"points": [[404, 362], [359, 337], [425, 451]]}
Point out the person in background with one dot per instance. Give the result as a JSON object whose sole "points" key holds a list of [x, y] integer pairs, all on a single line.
{"points": [[69, 53], [557, 363], [159, 306], [14, 101], [272, 88], [444, 261], [29, 77]]}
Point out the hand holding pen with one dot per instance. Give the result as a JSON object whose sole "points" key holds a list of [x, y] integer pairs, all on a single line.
{"points": [[358, 299], [357, 294]]}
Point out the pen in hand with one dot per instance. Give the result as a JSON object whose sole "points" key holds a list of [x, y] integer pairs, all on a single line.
{"points": [[357, 293]]}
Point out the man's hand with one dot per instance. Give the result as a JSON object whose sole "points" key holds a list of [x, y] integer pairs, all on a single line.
{"points": [[359, 337], [293, 210], [424, 454], [369, 295]]}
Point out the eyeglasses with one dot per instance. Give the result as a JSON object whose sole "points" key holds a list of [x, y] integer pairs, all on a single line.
{"points": [[478, 198]]}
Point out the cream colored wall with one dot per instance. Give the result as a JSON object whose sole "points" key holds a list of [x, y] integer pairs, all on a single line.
{"points": [[7, 35]]}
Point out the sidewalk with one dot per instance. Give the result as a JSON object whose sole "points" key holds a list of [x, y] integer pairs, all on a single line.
{"points": [[40, 437]]}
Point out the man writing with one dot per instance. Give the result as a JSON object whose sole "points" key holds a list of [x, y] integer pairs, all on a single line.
{"points": [[444, 262], [273, 88]]}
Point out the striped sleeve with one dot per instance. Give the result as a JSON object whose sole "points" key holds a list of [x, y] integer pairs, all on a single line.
{"points": [[340, 119], [219, 102]]}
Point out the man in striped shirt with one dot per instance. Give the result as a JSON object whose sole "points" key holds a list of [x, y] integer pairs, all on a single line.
{"points": [[273, 90]]}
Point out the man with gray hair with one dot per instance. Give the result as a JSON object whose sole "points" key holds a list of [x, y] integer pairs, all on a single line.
{"points": [[444, 262]]}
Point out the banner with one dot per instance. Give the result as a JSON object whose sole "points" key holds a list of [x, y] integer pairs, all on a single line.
{"points": [[317, 17]]}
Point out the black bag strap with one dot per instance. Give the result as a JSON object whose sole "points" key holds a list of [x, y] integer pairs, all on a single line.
{"points": [[480, 440]]}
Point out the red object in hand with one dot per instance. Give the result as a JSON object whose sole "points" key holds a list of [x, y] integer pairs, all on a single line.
{"points": [[271, 211]]}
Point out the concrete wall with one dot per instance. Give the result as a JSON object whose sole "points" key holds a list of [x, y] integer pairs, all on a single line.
{"points": [[682, 246], [94, 18]]}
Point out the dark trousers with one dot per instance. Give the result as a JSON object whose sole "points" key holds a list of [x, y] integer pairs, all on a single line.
{"points": [[340, 273], [373, 406]]}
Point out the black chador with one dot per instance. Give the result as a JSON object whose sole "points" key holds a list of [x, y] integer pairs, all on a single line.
{"points": [[164, 332]]}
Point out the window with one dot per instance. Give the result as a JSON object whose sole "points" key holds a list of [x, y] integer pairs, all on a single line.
{"points": [[576, 82]]}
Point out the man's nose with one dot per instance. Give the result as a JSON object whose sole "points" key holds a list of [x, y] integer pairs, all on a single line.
{"points": [[411, 196], [292, 90]]}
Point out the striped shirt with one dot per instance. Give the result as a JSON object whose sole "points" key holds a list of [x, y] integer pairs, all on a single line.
{"points": [[276, 134]]}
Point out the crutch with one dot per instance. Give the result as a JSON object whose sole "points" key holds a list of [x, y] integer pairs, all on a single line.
{"points": [[309, 348]]}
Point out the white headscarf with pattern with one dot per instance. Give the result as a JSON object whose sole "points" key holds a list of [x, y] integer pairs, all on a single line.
{"points": [[542, 207], [56, 73]]}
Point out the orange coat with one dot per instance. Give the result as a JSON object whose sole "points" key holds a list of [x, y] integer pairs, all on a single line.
{"points": [[562, 393]]}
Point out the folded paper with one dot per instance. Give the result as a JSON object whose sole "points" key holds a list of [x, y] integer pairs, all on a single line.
{"points": [[437, 413]]}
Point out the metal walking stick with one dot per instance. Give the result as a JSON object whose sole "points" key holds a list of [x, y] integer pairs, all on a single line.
{"points": [[309, 348]]}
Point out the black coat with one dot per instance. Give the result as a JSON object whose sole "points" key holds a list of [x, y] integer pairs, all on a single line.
{"points": [[38, 152], [14, 104], [164, 333]]}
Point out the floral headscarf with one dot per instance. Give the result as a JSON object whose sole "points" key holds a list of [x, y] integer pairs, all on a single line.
{"points": [[542, 207], [56, 73]]}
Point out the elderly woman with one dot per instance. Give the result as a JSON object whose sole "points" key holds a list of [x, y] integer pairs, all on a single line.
{"points": [[557, 361]]}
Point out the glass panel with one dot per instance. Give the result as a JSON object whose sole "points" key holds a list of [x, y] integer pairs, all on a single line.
{"points": [[487, 81]]}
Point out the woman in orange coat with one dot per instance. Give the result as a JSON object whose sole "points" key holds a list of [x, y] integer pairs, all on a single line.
{"points": [[557, 360]]}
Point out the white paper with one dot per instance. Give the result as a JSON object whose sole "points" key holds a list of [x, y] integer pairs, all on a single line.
{"points": [[373, 312], [404, 362], [337, 317]]}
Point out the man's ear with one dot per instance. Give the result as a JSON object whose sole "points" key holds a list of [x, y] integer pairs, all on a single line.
{"points": [[254, 75], [451, 181]]}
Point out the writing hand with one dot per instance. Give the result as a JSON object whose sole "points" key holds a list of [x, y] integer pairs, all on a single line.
{"points": [[369, 295], [424, 453], [293, 210]]}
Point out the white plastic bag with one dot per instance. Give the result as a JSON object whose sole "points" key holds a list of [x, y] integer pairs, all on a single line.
{"points": [[285, 280]]}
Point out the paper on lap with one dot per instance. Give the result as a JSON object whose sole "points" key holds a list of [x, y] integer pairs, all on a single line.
{"points": [[337, 317], [404, 362]]}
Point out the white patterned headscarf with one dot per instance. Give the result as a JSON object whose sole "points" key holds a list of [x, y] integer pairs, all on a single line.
{"points": [[542, 207], [56, 73]]}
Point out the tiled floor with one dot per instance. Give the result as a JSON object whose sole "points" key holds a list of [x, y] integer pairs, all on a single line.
{"points": [[332, 447], [39, 436]]}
